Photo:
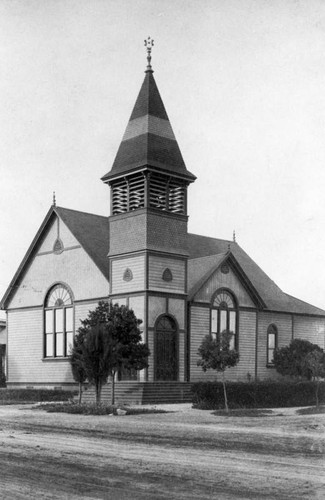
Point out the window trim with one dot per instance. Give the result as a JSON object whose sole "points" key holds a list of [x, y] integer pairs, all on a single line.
{"points": [[272, 329], [235, 309], [54, 333]]}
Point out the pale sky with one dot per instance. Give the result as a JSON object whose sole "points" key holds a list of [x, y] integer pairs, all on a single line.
{"points": [[243, 85]]}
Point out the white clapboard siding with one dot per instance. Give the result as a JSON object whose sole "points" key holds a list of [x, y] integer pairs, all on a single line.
{"points": [[50, 238], [157, 306], [73, 267], [283, 323], [312, 329], [137, 267], [181, 354], [221, 280], [157, 266], [176, 307], [25, 352], [200, 323]]}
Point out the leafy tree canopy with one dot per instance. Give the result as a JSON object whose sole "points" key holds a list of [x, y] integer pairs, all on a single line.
{"points": [[291, 360], [216, 353], [108, 340]]}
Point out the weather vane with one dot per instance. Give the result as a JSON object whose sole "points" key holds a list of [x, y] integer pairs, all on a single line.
{"points": [[149, 43]]}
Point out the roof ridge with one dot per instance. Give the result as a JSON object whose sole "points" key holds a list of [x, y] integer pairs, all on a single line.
{"points": [[303, 301], [81, 212], [212, 238], [208, 256]]}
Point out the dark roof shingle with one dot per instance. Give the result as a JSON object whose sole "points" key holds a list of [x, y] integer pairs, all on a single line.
{"points": [[92, 231], [202, 247]]}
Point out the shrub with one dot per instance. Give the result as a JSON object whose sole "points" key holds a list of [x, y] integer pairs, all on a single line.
{"points": [[93, 409], [33, 395], [209, 395], [291, 360], [2, 379]]}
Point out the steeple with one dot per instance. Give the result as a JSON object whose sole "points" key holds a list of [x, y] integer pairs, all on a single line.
{"points": [[149, 141]]}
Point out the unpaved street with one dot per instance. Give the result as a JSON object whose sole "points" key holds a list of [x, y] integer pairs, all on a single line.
{"points": [[184, 454]]}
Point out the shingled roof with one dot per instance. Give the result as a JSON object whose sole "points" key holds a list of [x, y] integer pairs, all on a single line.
{"points": [[92, 231], [208, 252], [149, 140], [205, 255]]}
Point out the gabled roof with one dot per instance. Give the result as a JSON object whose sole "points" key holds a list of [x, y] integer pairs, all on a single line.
{"points": [[149, 140], [206, 250], [205, 256], [200, 269], [209, 265], [90, 230]]}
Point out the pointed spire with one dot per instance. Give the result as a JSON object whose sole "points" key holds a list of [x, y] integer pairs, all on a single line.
{"points": [[234, 236], [149, 43], [54, 200], [149, 140]]}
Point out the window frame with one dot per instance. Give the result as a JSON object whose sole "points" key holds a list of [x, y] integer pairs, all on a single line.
{"points": [[51, 332], [272, 329], [229, 310]]}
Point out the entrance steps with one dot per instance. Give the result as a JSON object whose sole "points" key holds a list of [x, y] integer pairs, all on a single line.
{"points": [[142, 393]]}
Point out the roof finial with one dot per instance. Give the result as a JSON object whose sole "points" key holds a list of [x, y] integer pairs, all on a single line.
{"points": [[54, 200], [234, 236], [149, 43]]}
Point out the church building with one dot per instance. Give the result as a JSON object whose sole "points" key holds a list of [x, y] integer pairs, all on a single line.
{"points": [[183, 286]]}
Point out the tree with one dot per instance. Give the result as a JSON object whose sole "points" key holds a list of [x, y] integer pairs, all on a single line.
{"points": [[78, 370], [110, 339], [217, 355], [315, 364], [290, 360]]}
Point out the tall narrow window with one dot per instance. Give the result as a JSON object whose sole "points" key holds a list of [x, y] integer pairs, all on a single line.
{"points": [[272, 338], [58, 322], [224, 316]]}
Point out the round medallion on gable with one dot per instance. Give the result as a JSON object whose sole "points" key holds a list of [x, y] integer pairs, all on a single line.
{"points": [[127, 276], [167, 275], [225, 268], [58, 246]]}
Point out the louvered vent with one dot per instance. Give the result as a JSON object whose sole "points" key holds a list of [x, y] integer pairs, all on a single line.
{"points": [[136, 192], [164, 193], [158, 192], [176, 198], [120, 197]]}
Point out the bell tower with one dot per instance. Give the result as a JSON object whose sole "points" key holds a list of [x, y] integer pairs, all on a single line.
{"points": [[148, 223]]}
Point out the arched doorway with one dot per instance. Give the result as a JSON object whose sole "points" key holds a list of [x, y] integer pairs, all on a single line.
{"points": [[166, 359]]}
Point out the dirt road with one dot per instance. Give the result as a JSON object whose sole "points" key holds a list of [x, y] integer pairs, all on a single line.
{"points": [[185, 454]]}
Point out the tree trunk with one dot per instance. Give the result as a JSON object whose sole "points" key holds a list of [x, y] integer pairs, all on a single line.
{"points": [[225, 392], [113, 389], [317, 392], [98, 392], [80, 392]]}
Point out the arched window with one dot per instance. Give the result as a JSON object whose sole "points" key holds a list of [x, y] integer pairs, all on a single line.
{"points": [[224, 313], [58, 322], [272, 341]]}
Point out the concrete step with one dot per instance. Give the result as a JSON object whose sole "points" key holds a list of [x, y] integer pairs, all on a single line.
{"points": [[134, 392]]}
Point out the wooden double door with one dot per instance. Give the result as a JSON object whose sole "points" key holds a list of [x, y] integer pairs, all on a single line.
{"points": [[166, 349]]}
